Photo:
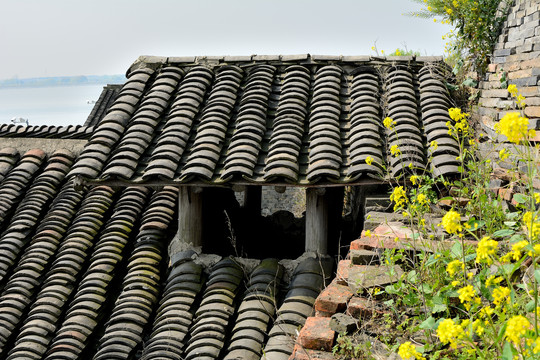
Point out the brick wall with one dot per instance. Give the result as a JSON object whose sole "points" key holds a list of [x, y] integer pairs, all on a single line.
{"points": [[516, 58]]}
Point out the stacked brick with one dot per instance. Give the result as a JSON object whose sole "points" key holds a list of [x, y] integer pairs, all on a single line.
{"points": [[516, 59], [343, 305]]}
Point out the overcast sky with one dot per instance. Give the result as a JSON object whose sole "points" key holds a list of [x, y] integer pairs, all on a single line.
{"points": [[98, 37]]}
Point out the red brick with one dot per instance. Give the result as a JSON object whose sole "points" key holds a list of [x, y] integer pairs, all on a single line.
{"points": [[532, 111], [492, 68], [360, 307], [342, 273], [506, 194], [323, 314], [300, 353], [316, 334], [333, 299]]}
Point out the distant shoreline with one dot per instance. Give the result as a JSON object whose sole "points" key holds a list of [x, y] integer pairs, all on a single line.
{"points": [[62, 81]]}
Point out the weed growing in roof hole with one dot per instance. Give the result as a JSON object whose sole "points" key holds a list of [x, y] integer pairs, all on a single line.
{"points": [[471, 276]]}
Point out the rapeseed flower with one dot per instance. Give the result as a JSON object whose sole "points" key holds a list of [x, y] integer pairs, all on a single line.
{"points": [[515, 329], [407, 350], [485, 250], [533, 225], [501, 294], [422, 199], [449, 332], [434, 145], [466, 295], [503, 154], [454, 266], [388, 122], [514, 127], [369, 160], [512, 89], [399, 197], [394, 150], [451, 222]]}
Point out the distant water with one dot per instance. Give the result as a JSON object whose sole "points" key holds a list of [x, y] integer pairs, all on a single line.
{"points": [[58, 105]]}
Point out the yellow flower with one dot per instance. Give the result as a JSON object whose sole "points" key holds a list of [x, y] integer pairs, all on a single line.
{"points": [[516, 249], [512, 89], [501, 294], [456, 114], [503, 154], [398, 52], [452, 222], [407, 350], [477, 327], [449, 11], [533, 225], [373, 48], [513, 126], [516, 327], [394, 150], [492, 280], [486, 312], [429, 8], [454, 266], [466, 293], [536, 348], [399, 197], [485, 250], [434, 145], [449, 332], [414, 179], [382, 52], [367, 233], [520, 100], [422, 199], [369, 160], [388, 122], [455, 283]]}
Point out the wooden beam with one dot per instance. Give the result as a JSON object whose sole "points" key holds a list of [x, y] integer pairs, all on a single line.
{"points": [[189, 216], [316, 222]]}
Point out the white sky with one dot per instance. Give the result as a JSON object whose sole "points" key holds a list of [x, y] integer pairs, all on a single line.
{"points": [[97, 37]]}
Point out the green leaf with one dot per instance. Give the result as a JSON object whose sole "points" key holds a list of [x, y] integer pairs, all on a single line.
{"points": [[439, 308], [503, 233], [512, 215], [475, 224], [521, 199], [470, 257], [470, 82], [428, 324], [507, 353], [411, 276], [537, 276]]}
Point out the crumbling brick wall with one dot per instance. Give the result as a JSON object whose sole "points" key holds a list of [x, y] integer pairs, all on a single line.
{"points": [[516, 60]]}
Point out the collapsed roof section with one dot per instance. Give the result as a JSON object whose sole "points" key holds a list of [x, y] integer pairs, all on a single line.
{"points": [[292, 120]]}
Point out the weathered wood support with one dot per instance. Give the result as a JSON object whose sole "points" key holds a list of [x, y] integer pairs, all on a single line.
{"points": [[189, 216], [316, 221]]}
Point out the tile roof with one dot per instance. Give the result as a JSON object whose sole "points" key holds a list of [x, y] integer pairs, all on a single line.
{"points": [[103, 103], [46, 131], [85, 274], [304, 120]]}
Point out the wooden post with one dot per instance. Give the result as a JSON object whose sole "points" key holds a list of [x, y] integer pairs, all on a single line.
{"points": [[253, 200], [190, 216], [316, 221]]}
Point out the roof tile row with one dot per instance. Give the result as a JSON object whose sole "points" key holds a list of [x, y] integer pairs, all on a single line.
{"points": [[264, 122]]}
